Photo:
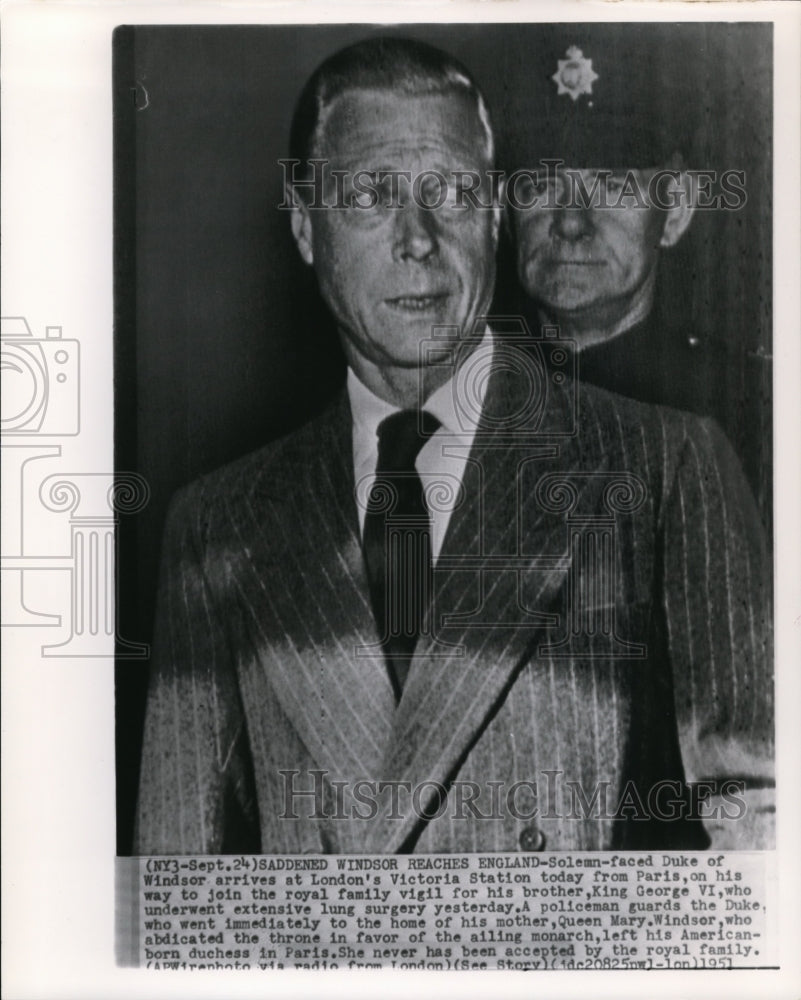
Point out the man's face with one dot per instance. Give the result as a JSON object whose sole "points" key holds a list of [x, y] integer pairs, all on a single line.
{"points": [[582, 260], [392, 271]]}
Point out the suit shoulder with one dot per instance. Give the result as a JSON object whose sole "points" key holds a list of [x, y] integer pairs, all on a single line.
{"points": [[272, 470], [652, 441], [614, 414]]}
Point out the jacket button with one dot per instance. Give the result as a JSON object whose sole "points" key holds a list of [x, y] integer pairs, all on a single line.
{"points": [[531, 839]]}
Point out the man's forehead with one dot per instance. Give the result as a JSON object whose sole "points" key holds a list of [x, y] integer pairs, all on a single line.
{"points": [[371, 119]]}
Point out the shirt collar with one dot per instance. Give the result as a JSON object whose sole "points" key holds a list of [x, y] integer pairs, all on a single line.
{"points": [[466, 386]]}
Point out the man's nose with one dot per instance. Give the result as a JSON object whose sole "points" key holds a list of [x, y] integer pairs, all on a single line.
{"points": [[415, 232], [572, 224]]}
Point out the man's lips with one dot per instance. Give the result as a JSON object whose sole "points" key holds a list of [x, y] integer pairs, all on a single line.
{"points": [[417, 303]]}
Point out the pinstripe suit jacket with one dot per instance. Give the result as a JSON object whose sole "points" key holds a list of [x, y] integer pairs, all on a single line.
{"points": [[264, 614]]}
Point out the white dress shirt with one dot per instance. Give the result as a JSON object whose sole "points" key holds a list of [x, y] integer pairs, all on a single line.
{"points": [[441, 462]]}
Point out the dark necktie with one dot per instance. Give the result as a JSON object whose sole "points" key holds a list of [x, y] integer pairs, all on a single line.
{"points": [[397, 539]]}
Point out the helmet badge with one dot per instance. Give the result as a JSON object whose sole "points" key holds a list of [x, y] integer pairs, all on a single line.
{"points": [[575, 75]]}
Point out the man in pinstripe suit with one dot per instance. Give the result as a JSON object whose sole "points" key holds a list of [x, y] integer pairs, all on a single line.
{"points": [[591, 654]]}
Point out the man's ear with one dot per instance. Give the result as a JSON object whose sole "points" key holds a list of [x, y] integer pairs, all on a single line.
{"points": [[300, 220], [679, 217]]}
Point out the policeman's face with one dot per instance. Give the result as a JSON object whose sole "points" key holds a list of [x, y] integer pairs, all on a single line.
{"points": [[393, 271], [581, 260]]}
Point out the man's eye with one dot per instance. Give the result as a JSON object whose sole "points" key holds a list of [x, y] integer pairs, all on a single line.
{"points": [[384, 190], [456, 194], [546, 187], [614, 184], [433, 194], [527, 188]]}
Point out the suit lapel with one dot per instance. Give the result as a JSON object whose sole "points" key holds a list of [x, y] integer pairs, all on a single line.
{"points": [[303, 561], [515, 569], [310, 576]]}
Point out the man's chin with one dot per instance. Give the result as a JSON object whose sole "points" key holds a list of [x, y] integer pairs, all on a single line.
{"points": [[568, 306], [413, 328], [405, 338], [559, 299], [419, 344], [560, 293]]}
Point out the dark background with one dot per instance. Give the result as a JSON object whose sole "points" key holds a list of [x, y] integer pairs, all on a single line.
{"points": [[221, 339]]}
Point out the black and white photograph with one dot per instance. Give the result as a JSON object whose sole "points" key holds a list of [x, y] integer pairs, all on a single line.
{"points": [[448, 351], [435, 550]]}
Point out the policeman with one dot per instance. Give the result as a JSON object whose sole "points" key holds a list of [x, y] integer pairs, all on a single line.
{"points": [[600, 190]]}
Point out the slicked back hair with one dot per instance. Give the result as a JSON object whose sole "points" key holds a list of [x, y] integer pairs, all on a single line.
{"points": [[399, 65]]}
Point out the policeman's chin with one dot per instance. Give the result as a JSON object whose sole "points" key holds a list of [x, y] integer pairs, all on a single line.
{"points": [[561, 289]]}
